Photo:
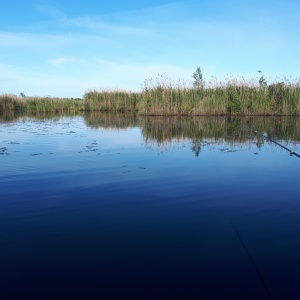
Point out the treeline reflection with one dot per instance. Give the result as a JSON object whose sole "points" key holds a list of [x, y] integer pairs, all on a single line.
{"points": [[12, 116], [234, 129], [162, 131], [202, 130]]}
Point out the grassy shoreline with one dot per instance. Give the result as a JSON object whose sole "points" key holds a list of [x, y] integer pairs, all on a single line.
{"points": [[168, 98]]}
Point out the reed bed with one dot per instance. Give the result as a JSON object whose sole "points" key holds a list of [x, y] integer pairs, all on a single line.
{"points": [[111, 100], [11, 103], [39, 104], [232, 97], [53, 105], [164, 96]]}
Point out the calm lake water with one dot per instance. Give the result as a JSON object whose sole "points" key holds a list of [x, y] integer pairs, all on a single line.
{"points": [[120, 206]]}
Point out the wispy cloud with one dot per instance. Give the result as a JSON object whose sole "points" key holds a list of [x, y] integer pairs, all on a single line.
{"points": [[100, 24], [64, 60], [125, 48], [65, 43], [50, 10]]}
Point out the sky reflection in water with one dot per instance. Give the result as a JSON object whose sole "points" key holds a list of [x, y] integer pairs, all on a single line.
{"points": [[110, 207]]}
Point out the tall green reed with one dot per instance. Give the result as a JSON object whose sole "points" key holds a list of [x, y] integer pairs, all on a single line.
{"points": [[39, 104], [231, 97], [110, 100], [165, 96]]}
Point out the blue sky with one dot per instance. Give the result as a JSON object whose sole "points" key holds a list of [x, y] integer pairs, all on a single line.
{"points": [[63, 48]]}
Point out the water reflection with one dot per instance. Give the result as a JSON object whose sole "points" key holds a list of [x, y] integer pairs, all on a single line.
{"points": [[86, 204], [205, 131], [12, 116], [232, 129], [201, 131], [111, 120]]}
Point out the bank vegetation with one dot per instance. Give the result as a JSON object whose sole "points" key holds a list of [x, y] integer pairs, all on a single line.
{"points": [[166, 97]]}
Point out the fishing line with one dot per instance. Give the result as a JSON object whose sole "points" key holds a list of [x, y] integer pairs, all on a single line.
{"points": [[267, 138], [252, 261]]}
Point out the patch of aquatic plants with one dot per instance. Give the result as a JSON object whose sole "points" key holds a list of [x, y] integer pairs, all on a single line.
{"points": [[32, 105], [111, 100], [11, 102], [163, 96], [3, 151]]}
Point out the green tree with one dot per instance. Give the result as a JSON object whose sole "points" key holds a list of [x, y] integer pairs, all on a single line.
{"points": [[198, 79], [262, 80]]}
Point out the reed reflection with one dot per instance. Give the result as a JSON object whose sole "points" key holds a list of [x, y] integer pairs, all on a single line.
{"points": [[200, 131]]}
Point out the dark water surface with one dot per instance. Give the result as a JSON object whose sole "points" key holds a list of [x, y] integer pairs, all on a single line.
{"points": [[126, 207]]}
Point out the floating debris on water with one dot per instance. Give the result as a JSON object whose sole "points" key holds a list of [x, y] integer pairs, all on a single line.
{"points": [[14, 143], [3, 151]]}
